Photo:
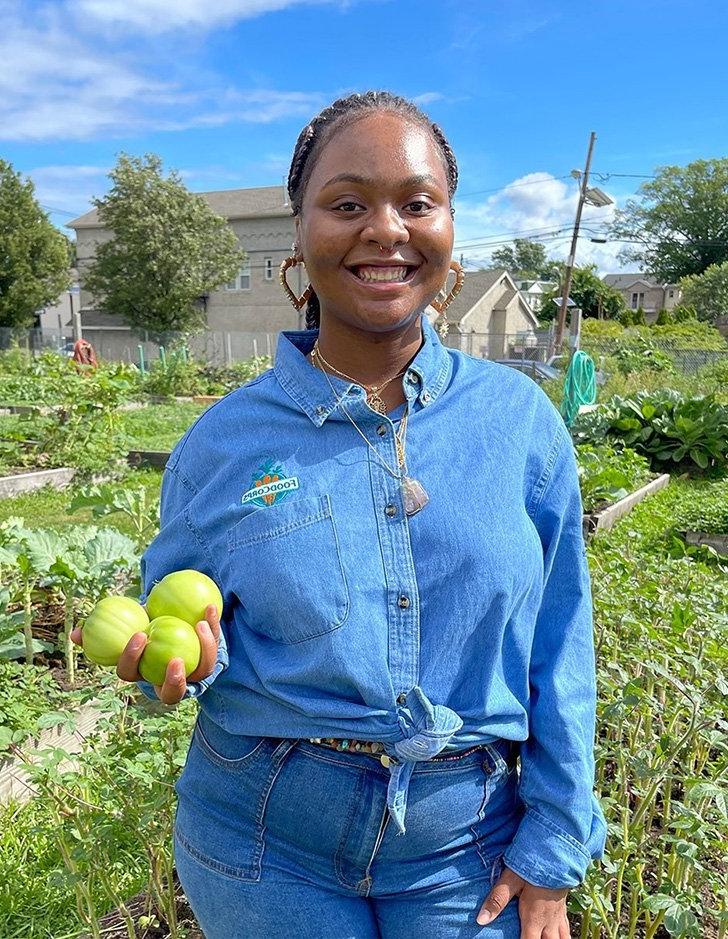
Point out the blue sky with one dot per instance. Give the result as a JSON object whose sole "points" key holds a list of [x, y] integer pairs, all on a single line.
{"points": [[221, 88]]}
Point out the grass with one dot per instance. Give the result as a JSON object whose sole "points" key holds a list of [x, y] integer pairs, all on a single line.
{"points": [[48, 507], [159, 426]]}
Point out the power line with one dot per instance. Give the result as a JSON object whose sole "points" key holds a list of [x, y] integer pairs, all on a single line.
{"points": [[529, 182], [50, 208]]}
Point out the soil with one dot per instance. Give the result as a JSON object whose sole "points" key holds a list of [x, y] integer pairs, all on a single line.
{"points": [[112, 925]]}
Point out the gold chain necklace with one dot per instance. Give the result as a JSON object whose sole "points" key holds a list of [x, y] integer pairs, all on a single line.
{"points": [[414, 494], [374, 399]]}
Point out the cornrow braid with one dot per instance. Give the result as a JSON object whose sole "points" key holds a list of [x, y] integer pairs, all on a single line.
{"points": [[339, 114]]}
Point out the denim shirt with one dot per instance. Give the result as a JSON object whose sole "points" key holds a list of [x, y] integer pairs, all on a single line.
{"points": [[467, 622]]}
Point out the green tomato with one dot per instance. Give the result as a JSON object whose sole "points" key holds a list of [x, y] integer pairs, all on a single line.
{"points": [[184, 594], [109, 626], [169, 638]]}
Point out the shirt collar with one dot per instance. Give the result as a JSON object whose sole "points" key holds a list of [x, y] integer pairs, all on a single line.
{"points": [[425, 378]]}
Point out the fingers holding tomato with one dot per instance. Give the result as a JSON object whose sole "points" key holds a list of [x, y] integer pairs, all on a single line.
{"points": [[178, 645]]}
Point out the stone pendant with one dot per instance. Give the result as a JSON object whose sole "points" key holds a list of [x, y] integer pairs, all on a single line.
{"points": [[415, 497]]}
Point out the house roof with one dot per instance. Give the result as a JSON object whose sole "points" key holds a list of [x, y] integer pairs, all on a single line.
{"points": [[261, 202], [479, 283], [623, 281], [476, 284]]}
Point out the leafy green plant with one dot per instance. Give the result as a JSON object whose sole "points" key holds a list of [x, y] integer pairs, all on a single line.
{"points": [[135, 503], [662, 740], [79, 565], [607, 474], [179, 374], [175, 375], [52, 379], [27, 695], [106, 816], [677, 433], [643, 355]]}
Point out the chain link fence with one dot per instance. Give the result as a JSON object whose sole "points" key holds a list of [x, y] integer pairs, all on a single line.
{"points": [[226, 347]]}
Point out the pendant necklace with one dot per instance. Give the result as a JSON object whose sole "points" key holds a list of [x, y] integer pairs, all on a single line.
{"points": [[374, 399], [414, 495]]}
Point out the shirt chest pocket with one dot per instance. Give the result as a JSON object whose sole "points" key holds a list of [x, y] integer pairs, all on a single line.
{"points": [[286, 570]]}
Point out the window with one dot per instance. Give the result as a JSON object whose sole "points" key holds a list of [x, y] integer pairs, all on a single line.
{"points": [[245, 275], [671, 294], [268, 267], [637, 300], [242, 281]]}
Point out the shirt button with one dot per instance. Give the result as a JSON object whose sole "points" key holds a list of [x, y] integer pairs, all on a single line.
{"points": [[320, 410], [390, 510], [403, 602], [426, 397], [401, 698], [382, 430], [412, 378]]}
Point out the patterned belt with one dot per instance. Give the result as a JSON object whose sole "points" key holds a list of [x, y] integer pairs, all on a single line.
{"points": [[376, 749]]}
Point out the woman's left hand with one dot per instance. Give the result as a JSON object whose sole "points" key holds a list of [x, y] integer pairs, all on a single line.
{"points": [[542, 911]]}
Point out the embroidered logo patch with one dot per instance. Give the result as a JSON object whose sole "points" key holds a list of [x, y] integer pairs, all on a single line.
{"points": [[270, 484]]}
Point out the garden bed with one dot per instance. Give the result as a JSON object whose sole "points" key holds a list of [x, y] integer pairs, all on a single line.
{"points": [[184, 399], [718, 542], [156, 458], [29, 480], [606, 518], [15, 784]]}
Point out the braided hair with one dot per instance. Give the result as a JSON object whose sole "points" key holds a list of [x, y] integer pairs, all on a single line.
{"points": [[342, 112]]}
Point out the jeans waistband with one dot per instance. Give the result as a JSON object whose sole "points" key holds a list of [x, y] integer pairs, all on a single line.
{"points": [[506, 749]]}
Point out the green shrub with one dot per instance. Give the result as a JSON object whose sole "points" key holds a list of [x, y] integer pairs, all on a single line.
{"points": [[608, 473], [186, 377], [684, 314], [601, 329], [52, 379], [663, 318], [677, 433], [642, 355]]}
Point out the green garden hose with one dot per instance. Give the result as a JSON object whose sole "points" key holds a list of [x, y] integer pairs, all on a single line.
{"points": [[580, 386]]}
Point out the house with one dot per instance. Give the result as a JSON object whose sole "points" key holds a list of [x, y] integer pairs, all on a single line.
{"points": [[534, 290], [252, 303], [641, 290], [246, 314], [490, 317], [56, 319]]}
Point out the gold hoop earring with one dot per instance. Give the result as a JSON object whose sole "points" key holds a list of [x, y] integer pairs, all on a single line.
{"points": [[298, 302], [441, 305]]}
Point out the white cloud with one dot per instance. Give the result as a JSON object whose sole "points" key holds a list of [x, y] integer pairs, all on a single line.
{"points": [[61, 80], [160, 16], [427, 97], [537, 206]]}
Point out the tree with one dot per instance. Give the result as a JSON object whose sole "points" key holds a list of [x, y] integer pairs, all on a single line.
{"points": [[707, 292], [34, 254], [525, 258], [680, 220], [589, 292], [169, 249]]}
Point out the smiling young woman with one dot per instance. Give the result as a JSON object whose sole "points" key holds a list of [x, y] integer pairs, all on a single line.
{"points": [[395, 527]]}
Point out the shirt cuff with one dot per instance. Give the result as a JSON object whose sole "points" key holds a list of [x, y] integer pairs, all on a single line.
{"points": [[546, 856], [194, 688]]}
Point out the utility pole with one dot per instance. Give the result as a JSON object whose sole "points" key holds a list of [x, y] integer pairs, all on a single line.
{"points": [[569, 270]]}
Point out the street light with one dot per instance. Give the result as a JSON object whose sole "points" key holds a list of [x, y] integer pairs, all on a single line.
{"points": [[587, 195], [594, 196]]}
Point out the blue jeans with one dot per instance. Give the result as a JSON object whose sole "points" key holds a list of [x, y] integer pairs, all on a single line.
{"points": [[282, 838]]}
